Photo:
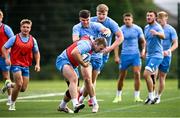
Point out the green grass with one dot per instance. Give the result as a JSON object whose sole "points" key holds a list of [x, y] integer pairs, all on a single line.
{"points": [[169, 106]]}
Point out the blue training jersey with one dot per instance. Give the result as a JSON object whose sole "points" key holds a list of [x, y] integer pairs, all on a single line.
{"points": [[84, 46], [113, 26], [93, 30], [108, 23], [170, 35], [8, 31], [153, 43], [11, 42], [131, 36]]}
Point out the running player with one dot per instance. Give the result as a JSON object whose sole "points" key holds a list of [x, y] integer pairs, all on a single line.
{"points": [[23, 46]]}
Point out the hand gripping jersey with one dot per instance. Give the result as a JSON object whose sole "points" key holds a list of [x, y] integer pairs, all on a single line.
{"points": [[73, 61]]}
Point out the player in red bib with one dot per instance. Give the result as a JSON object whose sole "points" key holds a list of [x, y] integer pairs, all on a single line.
{"points": [[23, 48]]}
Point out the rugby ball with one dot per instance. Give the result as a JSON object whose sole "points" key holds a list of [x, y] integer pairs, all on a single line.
{"points": [[86, 57]]}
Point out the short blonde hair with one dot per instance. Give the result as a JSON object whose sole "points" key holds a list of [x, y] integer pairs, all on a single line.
{"points": [[1, 13], [162, 14], [102, 8], [24, 21]]}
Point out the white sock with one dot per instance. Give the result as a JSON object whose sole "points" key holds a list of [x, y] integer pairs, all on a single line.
{"points": [[9, 97], [74, 101], [94, 101], [81, 99], [159, 96], [151, 95], [9, 85], [119, 93], [82, 89], [136, 94], [13, 102], [63, 104]]}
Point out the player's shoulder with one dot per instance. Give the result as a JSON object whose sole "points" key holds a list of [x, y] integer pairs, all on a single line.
{"points": [[77, 25], [137, 27], [94, 19]]}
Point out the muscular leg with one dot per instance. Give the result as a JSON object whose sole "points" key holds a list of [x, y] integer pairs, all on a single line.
{"points": [[70, 74]]}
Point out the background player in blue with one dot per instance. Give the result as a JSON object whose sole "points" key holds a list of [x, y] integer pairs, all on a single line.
{"points": [[23, 47], [170, 43], [66, 63], [97, 60], [5, 33], [130, 56], [92, 29], [154, 51]]}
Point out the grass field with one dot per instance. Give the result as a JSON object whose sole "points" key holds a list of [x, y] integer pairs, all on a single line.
{"points": [[42, 98]]}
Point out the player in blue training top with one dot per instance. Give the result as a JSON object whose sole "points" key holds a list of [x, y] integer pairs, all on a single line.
{"points": [[66, 63], [98, 60], [170, 43], [92, 29], [23, 48], [5, 33], [130, 56], [154, 51]]}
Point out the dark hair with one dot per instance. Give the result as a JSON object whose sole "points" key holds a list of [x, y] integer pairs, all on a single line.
{"points": [[128, 14], [155, 13], [84, 13]]}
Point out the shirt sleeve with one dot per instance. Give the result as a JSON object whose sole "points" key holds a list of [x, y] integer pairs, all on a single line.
{"points": [[10, 42], [76, 30], [114, 27], [83, 46], [8, 31], [35, 47], [140, 33], [98, 26], [173, 34]]}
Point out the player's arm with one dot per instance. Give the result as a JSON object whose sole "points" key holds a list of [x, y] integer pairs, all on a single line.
{"points": [[118, 40], [173, 47], [77, 56], [116, 54], [75, 33], [75, 38], [6, 49], [37, 60], [160, 34], [8, 31], [36, 56], [143, 46]]}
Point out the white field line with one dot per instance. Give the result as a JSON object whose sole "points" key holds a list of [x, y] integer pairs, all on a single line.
{"points": [[26, 98], [124, 108], [36, 96]]}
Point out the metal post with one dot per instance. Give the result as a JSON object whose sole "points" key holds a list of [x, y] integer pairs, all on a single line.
{"points": [[178, 60]]}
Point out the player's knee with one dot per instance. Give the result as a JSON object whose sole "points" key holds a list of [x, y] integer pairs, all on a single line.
{"points": [[137, 73], [19, 85]]}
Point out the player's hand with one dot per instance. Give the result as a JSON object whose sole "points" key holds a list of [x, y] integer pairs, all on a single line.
{"points": [[37, 68], [106, 50], [85, 64], [107, 32], [167, 52], [117, 60], [154, 32], [8, 61]]}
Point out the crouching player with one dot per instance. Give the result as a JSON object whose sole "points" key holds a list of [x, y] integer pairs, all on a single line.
{"points": [[68, 61]]}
